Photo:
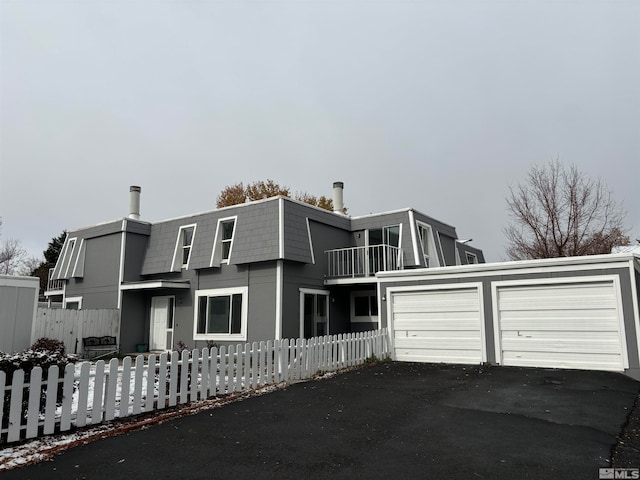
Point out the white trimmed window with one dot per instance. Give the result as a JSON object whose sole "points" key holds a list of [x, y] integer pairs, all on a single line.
{"points": [[221, 314], [472, 258], [430, 255], [223, 241], [227, 228], [72, 303], [184, 244], [364, 307], [66, 257]]}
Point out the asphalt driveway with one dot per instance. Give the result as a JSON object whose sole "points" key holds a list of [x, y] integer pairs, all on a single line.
{"points": [[392, 420]]}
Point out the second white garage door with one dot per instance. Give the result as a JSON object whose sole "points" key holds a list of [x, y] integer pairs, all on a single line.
{"points": [[440, 325], [576, 324]]}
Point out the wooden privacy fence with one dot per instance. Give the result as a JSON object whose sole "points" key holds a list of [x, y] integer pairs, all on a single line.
{"points": [[71, 326], [91, 393]]}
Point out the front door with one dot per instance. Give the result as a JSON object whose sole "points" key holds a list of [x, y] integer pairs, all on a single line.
{"points": [[314, 313], [161, 334]]}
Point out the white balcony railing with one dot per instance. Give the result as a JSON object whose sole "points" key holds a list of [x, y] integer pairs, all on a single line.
{"points": [[54, 285], [363, 261]]}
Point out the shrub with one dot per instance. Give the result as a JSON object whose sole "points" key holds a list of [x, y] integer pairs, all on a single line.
{"points": [[44, 353], [49, 345]]}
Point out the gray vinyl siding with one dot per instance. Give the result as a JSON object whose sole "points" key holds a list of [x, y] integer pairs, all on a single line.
{"points": [[135, 249], [255, 237], [448, 245], [447, 234], [622, 273], [296, 234], [261, 313], [311, 275], [134, 322], [99, 285]]}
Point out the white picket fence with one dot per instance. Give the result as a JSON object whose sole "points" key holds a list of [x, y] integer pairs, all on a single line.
{"points": [[97, 392]]}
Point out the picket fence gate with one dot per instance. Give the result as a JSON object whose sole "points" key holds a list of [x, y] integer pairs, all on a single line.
{"points": [[93, 393]]}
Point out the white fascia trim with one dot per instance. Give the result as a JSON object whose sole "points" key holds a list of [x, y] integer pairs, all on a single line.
{"points": [[414, 241], [156, 284], [123, 244], [313, 258], [350, 281], [615, 279], [452, 286], [281, 228], [278, 332], [222, 337], [564, 264]]}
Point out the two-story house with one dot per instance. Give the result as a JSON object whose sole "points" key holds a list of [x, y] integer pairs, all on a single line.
{"points": [[270, 269]]}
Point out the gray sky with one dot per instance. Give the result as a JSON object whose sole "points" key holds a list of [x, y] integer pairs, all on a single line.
{"points": [[437, 105]]}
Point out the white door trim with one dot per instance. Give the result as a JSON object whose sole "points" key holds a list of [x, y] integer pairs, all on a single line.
{"points": [[312, 291], [152, 319]]}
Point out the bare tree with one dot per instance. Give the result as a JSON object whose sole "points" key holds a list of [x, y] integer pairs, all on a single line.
{"points": [[559, 212], [239, 193], [12, 257]]}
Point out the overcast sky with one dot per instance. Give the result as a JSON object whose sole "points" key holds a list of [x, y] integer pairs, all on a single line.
{"points": [[436, 105]]}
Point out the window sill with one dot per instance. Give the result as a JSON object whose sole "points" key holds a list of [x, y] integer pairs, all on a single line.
{"points": [[221, 337]]}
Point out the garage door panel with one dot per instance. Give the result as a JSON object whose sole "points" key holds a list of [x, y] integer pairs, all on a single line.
{"points": [[439, 343], [563, 360], [530, 344], [585, 297], [437, 326], [437, 334], [425, 323], [573, 325], [436, 356], [549, 336], [461, 306], [532, 322], [422, 315]]}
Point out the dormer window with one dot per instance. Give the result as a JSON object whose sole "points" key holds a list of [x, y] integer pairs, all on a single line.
{"points": [[471, 258], [223, 241], [187, 241], [66, 258], [184, 244], [428, 247], [227, 238]]}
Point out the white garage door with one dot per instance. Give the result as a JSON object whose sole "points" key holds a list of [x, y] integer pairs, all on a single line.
{"points": [[438, 326], [573, 325]]}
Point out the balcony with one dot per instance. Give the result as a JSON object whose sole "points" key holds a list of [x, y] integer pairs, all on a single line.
{"points": [[362, 262], [54, 286]]}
